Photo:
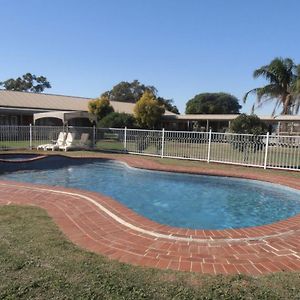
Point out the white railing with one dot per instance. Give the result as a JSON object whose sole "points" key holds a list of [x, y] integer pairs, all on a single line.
{"points": [[265, 151]]}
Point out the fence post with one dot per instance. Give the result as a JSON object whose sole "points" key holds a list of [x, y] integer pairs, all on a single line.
{"points": [[30, 136], [209, 144], [94, 136], [125, 138], [162, 143], [266, 152]]}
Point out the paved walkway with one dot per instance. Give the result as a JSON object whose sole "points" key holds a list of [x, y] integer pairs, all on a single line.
{"points": [[103, 225]]}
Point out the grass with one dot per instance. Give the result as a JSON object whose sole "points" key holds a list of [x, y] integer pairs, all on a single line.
{"points": [[21, 144], [219, 152], [38, 262], [109, 145], [14, 144]]}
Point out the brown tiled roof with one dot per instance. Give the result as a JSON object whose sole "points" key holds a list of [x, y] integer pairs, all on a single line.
{"points": [[47, 102]]}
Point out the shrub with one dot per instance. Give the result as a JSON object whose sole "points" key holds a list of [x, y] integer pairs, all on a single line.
{"points": [[117, 120], [148, 111], [253, 127], [100, 107], [251, 124]]}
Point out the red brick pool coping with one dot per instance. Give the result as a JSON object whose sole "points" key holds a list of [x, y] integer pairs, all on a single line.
{"points": [[103, 225]]}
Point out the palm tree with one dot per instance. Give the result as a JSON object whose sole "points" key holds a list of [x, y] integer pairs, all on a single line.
{"points": [[282, 76], [296, 91]]}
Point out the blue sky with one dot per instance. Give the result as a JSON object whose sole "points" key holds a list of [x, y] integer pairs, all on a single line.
{"points": [[182, 47]]}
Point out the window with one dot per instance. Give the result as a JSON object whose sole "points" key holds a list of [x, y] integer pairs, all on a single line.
{"points": [[8, 120]]}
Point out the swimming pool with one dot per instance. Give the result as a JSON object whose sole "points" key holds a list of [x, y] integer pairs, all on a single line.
{"points": [[176, 199]]}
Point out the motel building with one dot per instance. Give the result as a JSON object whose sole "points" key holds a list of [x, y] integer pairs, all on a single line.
{"points": [[283, 125], [24, 108]]}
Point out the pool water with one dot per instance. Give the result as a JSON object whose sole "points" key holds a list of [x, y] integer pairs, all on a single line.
{"points": [[176, 199]]}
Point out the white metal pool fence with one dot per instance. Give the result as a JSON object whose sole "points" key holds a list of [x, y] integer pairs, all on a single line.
{"points": [[265, 151]]}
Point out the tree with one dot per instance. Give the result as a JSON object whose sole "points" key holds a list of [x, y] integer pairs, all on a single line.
{"points": [[253, 128], [168, 104], [117, 120], [100, 107], [27, 83], [133, 91], [213, 103], [148, 111], [128, 91], [248, 124], [281, 76], [296, 91]]}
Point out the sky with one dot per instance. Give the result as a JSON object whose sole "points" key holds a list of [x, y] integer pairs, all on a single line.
{"points": [[182, 47]]}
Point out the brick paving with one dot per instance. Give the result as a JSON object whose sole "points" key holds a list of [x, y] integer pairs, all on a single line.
{"points": [[103, 225]]}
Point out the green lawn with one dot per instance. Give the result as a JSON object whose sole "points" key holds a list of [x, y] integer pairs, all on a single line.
{"points": [[38, 262], [21, 144], [219, 152], [109, 145], [14, 145]]}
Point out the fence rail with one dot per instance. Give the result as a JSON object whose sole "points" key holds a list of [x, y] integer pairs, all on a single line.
{"points": [[265, 151]]}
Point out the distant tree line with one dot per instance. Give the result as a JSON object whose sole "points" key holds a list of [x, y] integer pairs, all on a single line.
{"points": [[133, 91], [27, 83], [213, 103], [283, 87]]}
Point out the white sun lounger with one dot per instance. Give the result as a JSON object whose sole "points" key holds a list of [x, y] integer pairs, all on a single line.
{"points": [[68, 142], [60, 141], [72, 144]]}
